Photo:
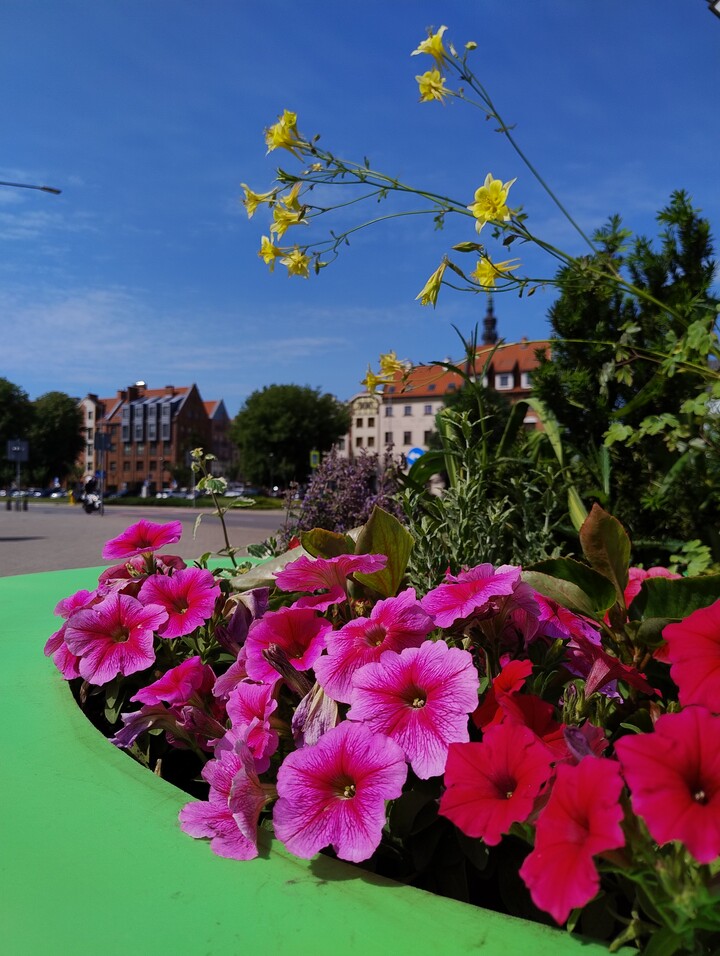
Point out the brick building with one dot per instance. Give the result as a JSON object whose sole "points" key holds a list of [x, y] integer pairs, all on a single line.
{"points": [[142, 437]]}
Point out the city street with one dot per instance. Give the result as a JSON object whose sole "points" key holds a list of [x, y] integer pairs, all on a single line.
{"points": [[51, 537]]}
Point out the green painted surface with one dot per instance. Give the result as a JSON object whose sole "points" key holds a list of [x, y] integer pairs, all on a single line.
{"points": [[92, 859]]}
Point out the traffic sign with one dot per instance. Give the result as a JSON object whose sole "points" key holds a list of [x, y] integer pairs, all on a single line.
{"points": [[412, 456]]}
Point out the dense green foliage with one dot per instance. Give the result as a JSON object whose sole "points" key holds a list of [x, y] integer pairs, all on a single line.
{"points": [[52, 425], [606, 378], [278, 427]]}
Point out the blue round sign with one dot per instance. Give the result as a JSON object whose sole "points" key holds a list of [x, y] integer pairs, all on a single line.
{"points": [[412, 456]]}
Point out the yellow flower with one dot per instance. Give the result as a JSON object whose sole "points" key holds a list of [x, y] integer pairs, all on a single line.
{"points": [[253, 200], [429, 292], [433, 46], [283, 134], [432, 86], [297, 263], [371, 381], [390, 364], [287, 212], [491, 202], [268, 252], [486, 273]]}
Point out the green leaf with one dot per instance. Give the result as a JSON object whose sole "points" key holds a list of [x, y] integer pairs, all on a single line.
{"points": [[599, 592], [326, 544], [675, 598], [606, 546], [383, 534]]}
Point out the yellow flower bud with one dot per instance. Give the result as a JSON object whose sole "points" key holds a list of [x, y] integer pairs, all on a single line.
{"points": [[429, 292], [283, 134]]}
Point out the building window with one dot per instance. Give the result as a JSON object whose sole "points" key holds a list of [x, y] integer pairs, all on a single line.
{"points": [[371, 441], [358, 423], [451, 387], [165, 418], [504, 380], [428, 410], [407, 438], [525, 380], [153, 448], [371, 422], [112, 466], [125, 426], [341, 444], [388, 438], [358, 441], [431, 387], [152, 466], [388, 411], [407, 410], [426, 437], [89, 414], [140, 449], [127, 449], [138, 422], [126, 466], [391, 389]]}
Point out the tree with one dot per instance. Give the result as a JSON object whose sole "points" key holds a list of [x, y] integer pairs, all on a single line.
{"points": [[278, 427], [56, 436], [604, 376], [16, 414]]}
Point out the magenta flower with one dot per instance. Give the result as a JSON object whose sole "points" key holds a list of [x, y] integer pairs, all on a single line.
{"points": [[327, 575], [188, 596], [230, 816], [493, 784], [636, 576], [142, 538], [334, 792], [674, 778], [299, 632], [249, 708], [227, 682], [420, 698], [693, 651], [66, 662], [470, 592], [179, 684], [582, 819], [114, 637], [129, 576], [394, 624]]}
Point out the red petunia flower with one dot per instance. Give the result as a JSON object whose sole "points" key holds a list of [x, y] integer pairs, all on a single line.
{"points": [[582, 818], [493, 784], [693, 651], [674, 778]]}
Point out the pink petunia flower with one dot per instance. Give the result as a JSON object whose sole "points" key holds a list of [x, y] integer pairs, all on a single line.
{"points": [[394, 624], [299, 632], [179, 684], [114, 637], [66, 662], [493, 784], [142, 537], [334, 792], [693, 651], [128, 577], [582, 819], [674, 778], [230, 816], [472, 591], [249, 708], [188, 596], [420, 698], [326, 575]]}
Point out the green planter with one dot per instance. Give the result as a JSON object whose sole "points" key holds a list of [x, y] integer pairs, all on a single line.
{"points": [[93, 859]]}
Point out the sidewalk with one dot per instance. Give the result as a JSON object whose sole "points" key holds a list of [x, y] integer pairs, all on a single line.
{"points": [[52, 537]]}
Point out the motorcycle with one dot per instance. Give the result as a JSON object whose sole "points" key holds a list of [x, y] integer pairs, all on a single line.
{"points": [[91, 502]]}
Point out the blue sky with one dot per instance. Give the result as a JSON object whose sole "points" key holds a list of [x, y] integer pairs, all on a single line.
{"points": [[149, 116]]}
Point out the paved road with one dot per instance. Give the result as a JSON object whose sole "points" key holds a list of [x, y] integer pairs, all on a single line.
{"points": [[51, 537]]}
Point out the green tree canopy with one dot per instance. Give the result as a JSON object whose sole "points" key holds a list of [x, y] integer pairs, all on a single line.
{"points": [[603, 373], [278, 427], [16, 414], [56, 437]]}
